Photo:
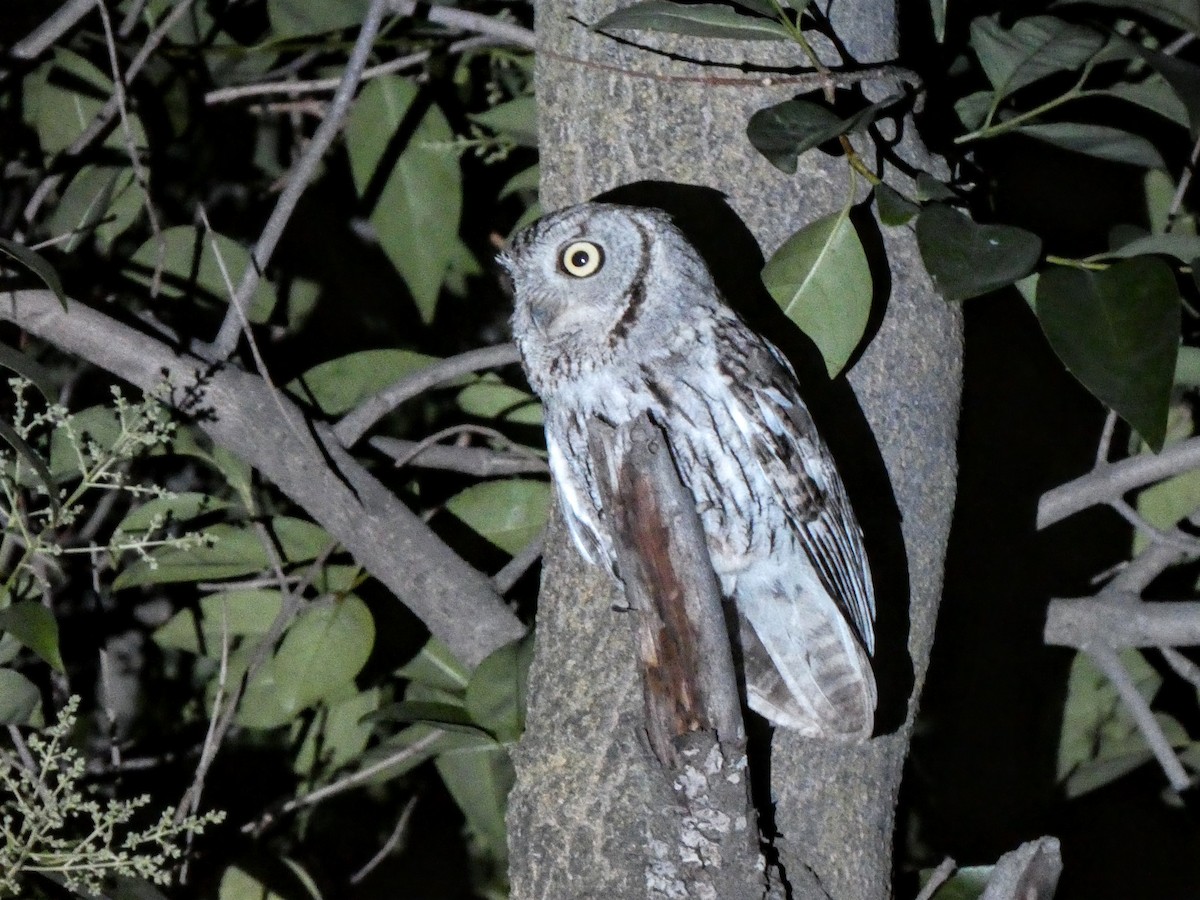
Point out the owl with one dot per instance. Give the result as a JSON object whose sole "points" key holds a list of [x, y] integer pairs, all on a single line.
{"points": [[617, 315]]}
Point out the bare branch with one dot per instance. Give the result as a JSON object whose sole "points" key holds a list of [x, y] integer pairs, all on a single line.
{"points": [[111, 107], [519, 564], [358, 422], [937, 878], [390, 845], [1030, 872], [64, 19], [299, 177], [457, 602], [478, 461], [1087, 622], [1114, 480], [464, 20], [321, 85], [1109, 663]]}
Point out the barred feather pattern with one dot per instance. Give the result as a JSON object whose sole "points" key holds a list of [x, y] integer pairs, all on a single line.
{"points": [[616, 315]]}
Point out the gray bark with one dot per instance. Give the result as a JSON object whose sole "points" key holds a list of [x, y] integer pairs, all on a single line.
{"points": [[588, 801]]}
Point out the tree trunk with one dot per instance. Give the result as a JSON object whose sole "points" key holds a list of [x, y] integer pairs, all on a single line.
{"points": [[590, 809]]}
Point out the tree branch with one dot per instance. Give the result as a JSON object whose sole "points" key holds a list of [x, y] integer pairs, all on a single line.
{"points": [[1091, 621], [1114, 480], [455, 601], [298, 179], [360, 420], [479, 462], [63, 20], [464, 20]]}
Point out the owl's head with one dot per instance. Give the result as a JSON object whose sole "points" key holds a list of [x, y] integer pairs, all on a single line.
{"points": [[589, 278]]}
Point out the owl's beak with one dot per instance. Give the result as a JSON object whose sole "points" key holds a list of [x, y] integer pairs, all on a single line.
{"points": [[543, 311]]}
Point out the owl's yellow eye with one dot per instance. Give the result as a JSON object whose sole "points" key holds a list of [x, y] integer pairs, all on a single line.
{"points": [[581, 259]]}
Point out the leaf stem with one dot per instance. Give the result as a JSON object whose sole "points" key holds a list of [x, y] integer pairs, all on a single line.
{"points": [[990, 131], [1077, 263]]}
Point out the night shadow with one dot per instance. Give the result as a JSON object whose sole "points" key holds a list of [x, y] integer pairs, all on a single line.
{"points": [[735, 261]]}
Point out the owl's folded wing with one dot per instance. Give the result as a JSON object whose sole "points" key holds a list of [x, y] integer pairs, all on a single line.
{"points": [[807, 484]]}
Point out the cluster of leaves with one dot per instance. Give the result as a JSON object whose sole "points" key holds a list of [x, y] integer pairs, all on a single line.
{"points": [[1113, 317], [53, 826], [243, 605]]}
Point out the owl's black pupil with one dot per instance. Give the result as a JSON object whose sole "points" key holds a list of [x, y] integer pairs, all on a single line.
{"points": [[580, 258]]}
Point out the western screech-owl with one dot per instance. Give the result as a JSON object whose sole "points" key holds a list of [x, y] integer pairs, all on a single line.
{"points": [[616, 314]]}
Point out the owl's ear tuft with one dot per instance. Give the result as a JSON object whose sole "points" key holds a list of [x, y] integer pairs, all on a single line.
{"points": [[505, 266]]}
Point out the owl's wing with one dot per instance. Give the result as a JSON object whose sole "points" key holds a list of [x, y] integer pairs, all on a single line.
{"points": [[802, 473]]}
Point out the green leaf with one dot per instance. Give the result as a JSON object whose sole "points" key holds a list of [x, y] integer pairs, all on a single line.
{"points": [[1100, 741], [967, 883], [930, 188], [1166, 504], [416, 215], [479, 778], [1176, 13], [1032, 49], [37, 264], [821, 281], [233, 613], [966, 259], [784, 131], [1154, 94], [498, 688], [1183, 247], [765, 7], [509, 512], [325, 648], [96, 424], [450, 716], [1117, 331], [516, 118], [437, 667], [99, 200], [62, 97], [973, 109], [35, 627], [238, 885], [410, 748], [342, 736], [235, 551], [27, 455], [179, 508], [192, 269], [1187, 367], [708, 20], [894, 208], [1100, 141], [339, 385], [19, 698], [489, 398], [525, 180], [298, 18], [1184, 78]]}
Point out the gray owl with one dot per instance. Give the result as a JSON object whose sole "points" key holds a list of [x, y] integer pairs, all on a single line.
{"points": [[616, 314]]}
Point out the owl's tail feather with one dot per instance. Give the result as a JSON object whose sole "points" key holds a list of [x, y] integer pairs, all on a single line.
{"points": [[813, 677]]}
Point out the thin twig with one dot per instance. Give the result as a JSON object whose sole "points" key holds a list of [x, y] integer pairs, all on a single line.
{"points": [[298, 180], [212, 739], [1181, 666], [41, 38], [1185, 180], [109, 111], [520, 564], [390, 845], [360, 420], [1182, 542], [937, 878], [464, 20], [353, 780], [1116, 479], [481, 462], [1109, 663], [131, 149], [1106, 437], [321, 85]]}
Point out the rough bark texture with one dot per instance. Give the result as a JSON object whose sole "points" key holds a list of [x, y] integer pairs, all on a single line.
{"points": [[587, 801]]}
